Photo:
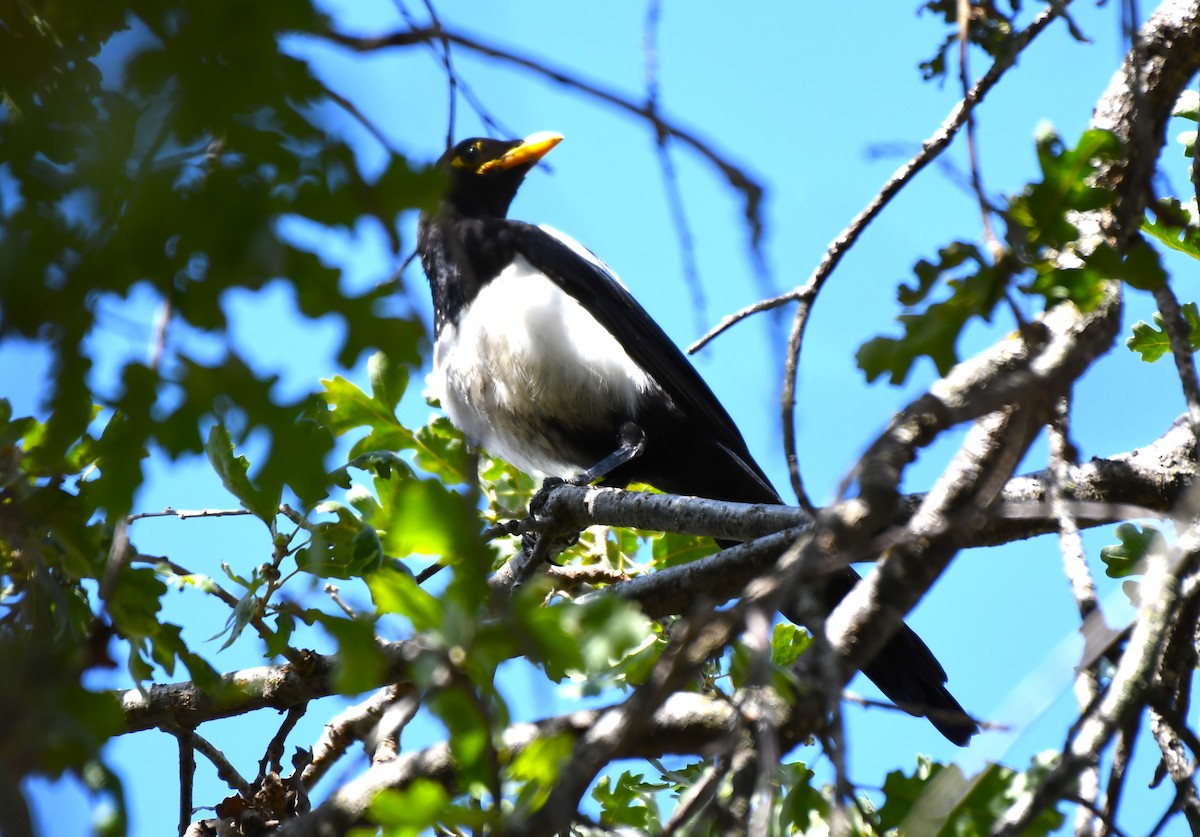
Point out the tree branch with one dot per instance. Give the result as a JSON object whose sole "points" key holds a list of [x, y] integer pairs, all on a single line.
{"points": [[930, 150], [685, 723], [737, 178]]}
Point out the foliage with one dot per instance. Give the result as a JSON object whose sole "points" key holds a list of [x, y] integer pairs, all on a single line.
{"points": [[1040, 225], [1125, 558], [988, 27]]}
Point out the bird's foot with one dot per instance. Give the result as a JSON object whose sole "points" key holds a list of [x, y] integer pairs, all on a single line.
{"points": [[538, 504]]}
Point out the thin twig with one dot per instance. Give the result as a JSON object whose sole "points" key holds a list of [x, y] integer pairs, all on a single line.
{"points": [[335, 594], [1160, 603], [697, 797], [451, 77], [1110, 828], [1063, 457], [213, 589], [187, 778], [930, 149], [867, 703], [1170, 729], [1196, 171], [1119, 770], [679, 219], [964, 77], [360, 117], [342, 730], [457, 84], [429, 572], [787, 403], [162, 319], [273, 757], [184, 514], [1181, 351], [737, 178], [384, 740], [226, 772]]}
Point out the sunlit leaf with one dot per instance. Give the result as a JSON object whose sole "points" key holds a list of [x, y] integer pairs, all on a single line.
{"points": [[1124, 559], [233, 471]]}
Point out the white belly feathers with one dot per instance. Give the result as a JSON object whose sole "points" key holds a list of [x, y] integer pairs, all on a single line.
{"points": [[525, 364]]}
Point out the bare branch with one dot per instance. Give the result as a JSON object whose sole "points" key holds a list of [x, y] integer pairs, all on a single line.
{"points": [[862, 622], [1177, 336], [278, 687], [1181, 770], [1152, 478], [184, 514], [1087, 686], [697, 797], [685, 723], [679, 219], [187, 778], [273, 758], [930, 149], [737, 178], [226, 772], [1127, 692], [349, 725]]}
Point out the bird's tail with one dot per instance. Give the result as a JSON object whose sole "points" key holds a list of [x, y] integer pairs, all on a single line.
{"points": [[906, 671]]}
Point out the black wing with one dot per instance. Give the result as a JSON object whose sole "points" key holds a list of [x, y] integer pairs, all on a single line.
{"points": [[586, 278], [905, 669]]}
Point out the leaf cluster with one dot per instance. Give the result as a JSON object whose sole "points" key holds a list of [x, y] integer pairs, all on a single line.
{"points": [[1044, 255]]}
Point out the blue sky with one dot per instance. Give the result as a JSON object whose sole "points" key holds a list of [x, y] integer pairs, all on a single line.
{"points": [[797, 94]]}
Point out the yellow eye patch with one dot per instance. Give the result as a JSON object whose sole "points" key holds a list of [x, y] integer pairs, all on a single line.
{"points": [[467, 159]]}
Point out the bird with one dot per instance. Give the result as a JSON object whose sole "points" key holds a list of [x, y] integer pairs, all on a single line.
{"points": [[543, 358]]}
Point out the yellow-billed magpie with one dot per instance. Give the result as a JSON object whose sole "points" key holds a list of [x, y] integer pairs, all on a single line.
{"points": [[545, 359]]}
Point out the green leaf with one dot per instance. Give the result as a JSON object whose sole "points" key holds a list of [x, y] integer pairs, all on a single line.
{"points": [[1067, 185], [670, 549], [441, 451], [934, 331], [343, 548], [788, 642], [628, 800], [1149, 342], [980, 799], [803, 809], [134, 602], [596, 641], [1140, 267], [424, 517], [394, 591], [411, 810], [1188, 105], [538, 767], [1124, 559], [123, 444], [233, 471], [1152, 342], [1084, 286], [388, 380], [508, 489], [245, 610], [360, 664], [470, 738], [351, 408], [1174, 227]]}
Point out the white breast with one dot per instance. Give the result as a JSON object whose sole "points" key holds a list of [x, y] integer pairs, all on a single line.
{"points": [[527, 365]]}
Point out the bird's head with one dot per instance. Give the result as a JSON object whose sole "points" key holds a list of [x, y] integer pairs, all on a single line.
{"points": [[484, 174]]}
